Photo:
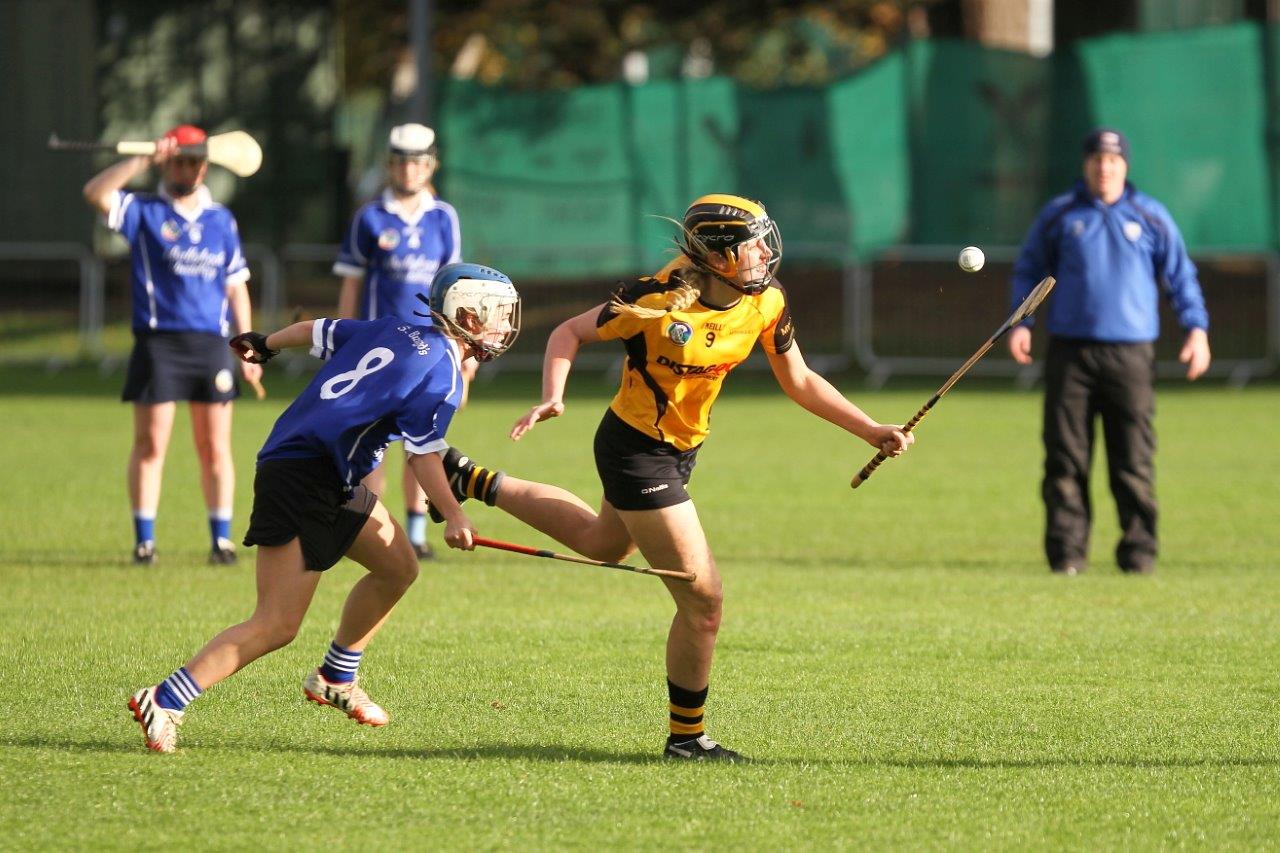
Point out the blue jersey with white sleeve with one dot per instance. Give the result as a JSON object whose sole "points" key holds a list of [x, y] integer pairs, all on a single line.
{"points": [[385, 380], [1111, 261], [397, 253], [182, 260]]}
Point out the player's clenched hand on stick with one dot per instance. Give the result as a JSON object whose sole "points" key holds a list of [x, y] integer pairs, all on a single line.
{"points": [[892, 440], [252, 348]]}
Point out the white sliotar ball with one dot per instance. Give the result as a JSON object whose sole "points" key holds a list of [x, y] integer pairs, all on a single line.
{"points": [[971, 259]]}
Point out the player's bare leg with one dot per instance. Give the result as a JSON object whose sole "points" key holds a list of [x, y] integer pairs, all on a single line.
{"points": [[211, 429], [285, 590], [376, 480], [383, 548], [152, 428], [567, 519], [672, 538]]}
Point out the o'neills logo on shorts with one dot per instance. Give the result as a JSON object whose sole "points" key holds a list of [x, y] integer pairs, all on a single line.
{"points": [[651, 489], [710, 371]]}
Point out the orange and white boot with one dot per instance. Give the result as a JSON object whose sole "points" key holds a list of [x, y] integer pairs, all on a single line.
{"points": [[159, 725], [348, 698]]}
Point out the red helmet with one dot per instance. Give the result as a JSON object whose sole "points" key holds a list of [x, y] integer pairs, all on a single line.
{"points": [[186, 134]]}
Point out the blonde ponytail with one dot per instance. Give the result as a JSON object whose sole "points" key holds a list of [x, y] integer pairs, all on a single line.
{"points": [[677, 298]]}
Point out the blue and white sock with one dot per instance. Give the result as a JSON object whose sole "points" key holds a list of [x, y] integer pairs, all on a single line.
{"points": [[415, 524], [219, 525], [340, 664], [144, 527], [177, 691]]}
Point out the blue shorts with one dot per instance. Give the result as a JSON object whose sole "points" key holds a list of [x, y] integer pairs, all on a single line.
{"points": [[168, 366]]}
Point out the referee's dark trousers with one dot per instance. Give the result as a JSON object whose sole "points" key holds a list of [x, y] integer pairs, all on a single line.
{"points": [[1083, 379]]}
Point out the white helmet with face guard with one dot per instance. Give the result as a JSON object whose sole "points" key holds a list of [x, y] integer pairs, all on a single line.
{"points": [[477, 304]]}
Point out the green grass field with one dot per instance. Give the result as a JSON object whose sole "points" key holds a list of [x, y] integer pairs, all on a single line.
{"points": [[897, 660]]}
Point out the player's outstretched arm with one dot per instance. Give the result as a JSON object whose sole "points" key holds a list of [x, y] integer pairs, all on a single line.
{"points": [[257, 348], [562, 349], [815, 394]]}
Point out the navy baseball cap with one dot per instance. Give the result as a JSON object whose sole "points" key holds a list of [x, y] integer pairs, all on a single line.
{"points": [[1106, 140]]}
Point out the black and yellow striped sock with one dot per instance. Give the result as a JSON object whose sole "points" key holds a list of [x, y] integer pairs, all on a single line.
{"points": [[686, 712], [470, 480], [481, 484]]}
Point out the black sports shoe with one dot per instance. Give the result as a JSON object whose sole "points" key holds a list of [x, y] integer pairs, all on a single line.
{"points": [[144, 553], [701, 748], [467, 480], [223, 553], [424, 551]]}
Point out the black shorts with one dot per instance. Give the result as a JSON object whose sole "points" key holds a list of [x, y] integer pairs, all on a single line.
{"points": [[305, 498], [167, 366], [639, 472]]}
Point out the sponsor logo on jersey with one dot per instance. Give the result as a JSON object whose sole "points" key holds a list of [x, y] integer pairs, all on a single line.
{"points": [[679, 332], [415, 239], [195, 231], [170, 230], [388, 239], [708, 371], [412, 269], [1077, 228], [196, 262], [1132, 230]]}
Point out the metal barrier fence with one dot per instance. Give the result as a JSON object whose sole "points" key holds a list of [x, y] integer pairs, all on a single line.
{"points": [[909, 311]]}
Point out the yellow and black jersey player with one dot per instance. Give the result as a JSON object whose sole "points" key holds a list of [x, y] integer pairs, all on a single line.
{"points": [[676, 364], [683, 329]]}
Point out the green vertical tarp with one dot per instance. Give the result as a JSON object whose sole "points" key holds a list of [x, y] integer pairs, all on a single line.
{"points": [[534, 174], [979, 121], [869, 135], [1194, 108]]}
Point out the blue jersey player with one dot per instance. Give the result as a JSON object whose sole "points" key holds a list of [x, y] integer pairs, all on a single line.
{"points": [[384, 380], [189, 291], [389, 254]]}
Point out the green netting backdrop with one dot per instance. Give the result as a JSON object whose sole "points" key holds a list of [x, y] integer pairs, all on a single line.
{"points": [[943, 142]]}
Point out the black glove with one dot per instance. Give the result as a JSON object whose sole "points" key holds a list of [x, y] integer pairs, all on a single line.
{"points": [[257, 342]]}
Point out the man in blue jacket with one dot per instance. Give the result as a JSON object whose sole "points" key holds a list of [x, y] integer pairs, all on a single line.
{"points": [[1112, 249]]}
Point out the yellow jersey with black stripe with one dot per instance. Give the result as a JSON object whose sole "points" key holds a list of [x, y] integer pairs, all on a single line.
{"points": [[677, 363]]}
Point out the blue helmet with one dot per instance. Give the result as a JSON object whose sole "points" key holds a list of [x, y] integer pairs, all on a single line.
{"points": [[478, 304]]}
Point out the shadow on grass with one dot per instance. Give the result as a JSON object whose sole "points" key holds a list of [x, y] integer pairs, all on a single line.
{"points": [[564, 754]]}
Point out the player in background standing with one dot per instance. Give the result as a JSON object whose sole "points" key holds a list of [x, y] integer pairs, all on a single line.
{"points": [[683, 329], [190, 287], [1113, 250], [384, 380], [391, 251]]}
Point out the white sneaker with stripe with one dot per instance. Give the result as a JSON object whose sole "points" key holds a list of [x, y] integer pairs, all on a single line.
{"points": [[159, 725], [348, 698]]}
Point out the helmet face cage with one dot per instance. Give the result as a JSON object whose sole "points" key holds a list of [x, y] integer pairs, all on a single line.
{"points": [[721, 225], [479, 305]]}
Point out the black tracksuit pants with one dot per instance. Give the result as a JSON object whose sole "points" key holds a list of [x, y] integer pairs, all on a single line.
{"points": [[1116, 381]]}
